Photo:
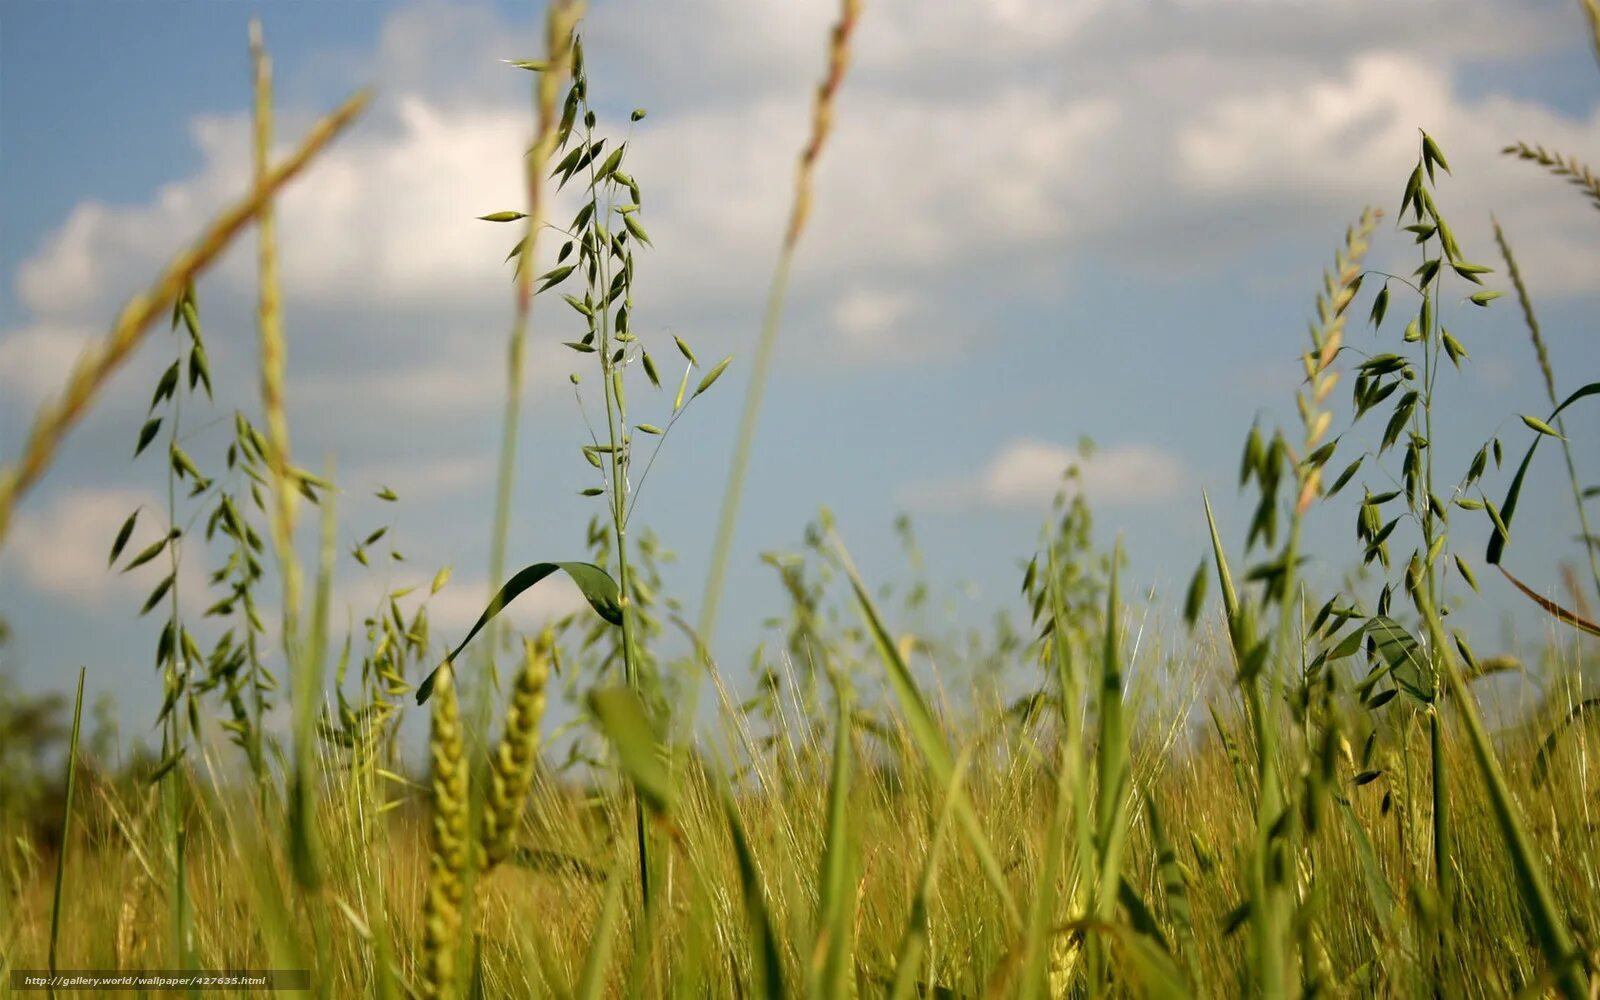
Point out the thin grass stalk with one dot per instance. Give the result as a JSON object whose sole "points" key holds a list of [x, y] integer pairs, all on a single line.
{"points": [[592, 983], [304, 841], [833, 944], [928, 736], [821, 121], [1526, 301], [176, 679], [1443, 836], [1268, 924], [619, 455], [1039, 958], [1111, 780], [55, 419], [1070, 680], [273, 357], [914, 940], [66, 824], [619, 524], [285, 494]]}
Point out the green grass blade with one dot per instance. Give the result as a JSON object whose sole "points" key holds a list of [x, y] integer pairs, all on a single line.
{"points": [[66, 822], [1230, 597], [624, 722], [914, 942], [592, 984], [929, 739], [1111, 755], [1549, 924], [834, 925], [1541, 761], [1497, 542], [1379, 892], [768, 959]]}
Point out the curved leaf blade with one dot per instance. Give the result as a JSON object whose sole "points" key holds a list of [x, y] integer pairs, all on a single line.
{"points": [[593, 582], [1497, 542]]}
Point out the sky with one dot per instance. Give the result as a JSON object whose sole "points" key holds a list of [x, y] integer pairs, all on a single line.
{"points": [[1035, 221]]}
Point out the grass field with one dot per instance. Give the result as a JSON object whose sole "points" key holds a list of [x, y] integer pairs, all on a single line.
{"points": [[1286, 794]]}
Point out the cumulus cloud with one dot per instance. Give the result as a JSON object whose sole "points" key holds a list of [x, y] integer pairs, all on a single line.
{"points": [[1027, 473], [1352, 136], [61, 550], [977, 152], [1179, 145], [35, 360]]}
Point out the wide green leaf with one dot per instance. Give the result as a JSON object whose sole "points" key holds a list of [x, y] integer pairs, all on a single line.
{"points": [[625, 723], [593, 582]]}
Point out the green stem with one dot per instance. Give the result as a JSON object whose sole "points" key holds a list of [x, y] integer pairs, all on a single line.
{"points": [[66, 824], [741, 453]]}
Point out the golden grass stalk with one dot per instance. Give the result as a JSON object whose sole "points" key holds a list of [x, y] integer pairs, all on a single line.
{"points": [[559, 23], [821, 125], [447, 858], [56, 418], [1591, 10], [1326, 338], [273, 351], [511, 768]]}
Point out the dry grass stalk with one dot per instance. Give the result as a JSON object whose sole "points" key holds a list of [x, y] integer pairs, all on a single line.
{"points": [[273, 350], [1326, 338], [821, 124], [56, 419], [822, 117], [1562, 166]]}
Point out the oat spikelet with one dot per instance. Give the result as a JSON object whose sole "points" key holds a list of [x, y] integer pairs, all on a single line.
{"points": [[511, 768], [447, 861], [1338, 290]]}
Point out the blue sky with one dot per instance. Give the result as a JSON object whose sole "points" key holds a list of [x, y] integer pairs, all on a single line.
{"points": [[1036, 220]]}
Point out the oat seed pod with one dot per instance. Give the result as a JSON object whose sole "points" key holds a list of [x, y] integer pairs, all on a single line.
{"points": [[448, 857], [511, 768]]}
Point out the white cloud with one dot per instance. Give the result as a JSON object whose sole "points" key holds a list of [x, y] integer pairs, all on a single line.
{"points": [[62, 549], [35, 361], [1028, 473], [424, 479], [458, 605], [874, 322], [1050, 141], [1352, 137]]}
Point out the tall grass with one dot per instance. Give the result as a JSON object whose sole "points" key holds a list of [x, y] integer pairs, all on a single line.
{"points": [[1286, 802]]}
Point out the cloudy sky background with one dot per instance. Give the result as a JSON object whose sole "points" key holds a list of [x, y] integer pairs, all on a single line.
{"points": [[1036, 220]]}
